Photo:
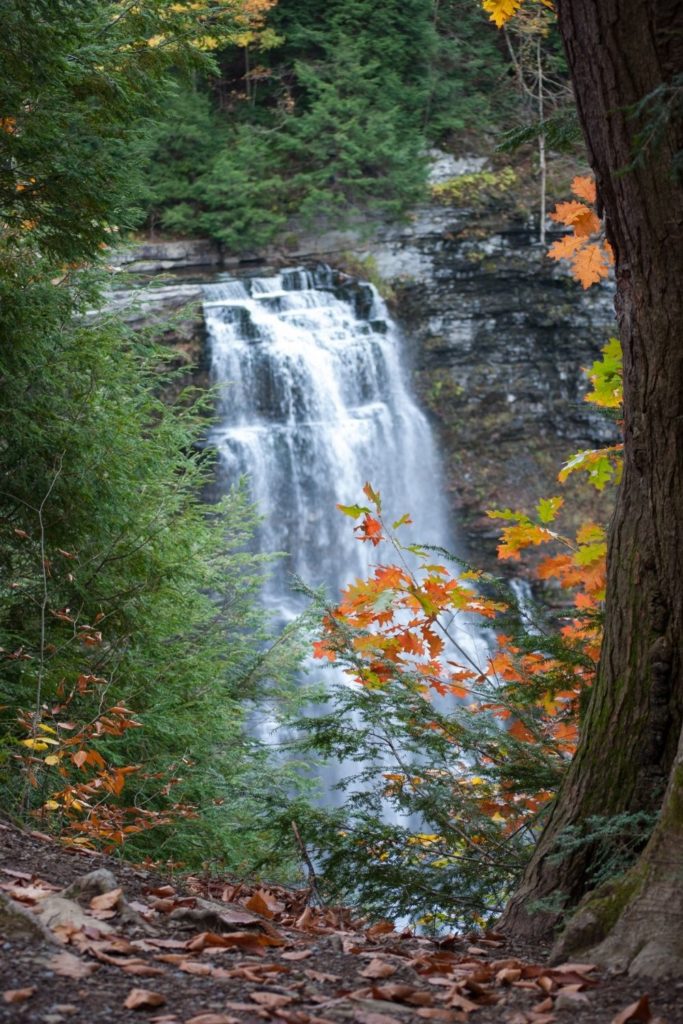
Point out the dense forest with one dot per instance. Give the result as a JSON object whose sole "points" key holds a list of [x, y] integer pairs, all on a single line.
{"points": [[530, 782]]}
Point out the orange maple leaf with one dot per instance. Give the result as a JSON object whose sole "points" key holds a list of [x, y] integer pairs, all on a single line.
{"points": [[564, 248], [584, 188], [578, 216], [589, 265]]}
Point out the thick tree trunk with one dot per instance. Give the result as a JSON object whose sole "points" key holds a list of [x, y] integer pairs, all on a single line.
{"points": [[619, 53], [637, 920]]}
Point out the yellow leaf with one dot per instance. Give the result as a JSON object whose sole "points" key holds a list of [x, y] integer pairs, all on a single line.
{"points": [[51, 805], [500, 11], [47, 728], [51, 759], [34, 744]]}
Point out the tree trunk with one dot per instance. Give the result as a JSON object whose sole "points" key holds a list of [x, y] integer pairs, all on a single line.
{"points": [[637, 920], [619, 53]]}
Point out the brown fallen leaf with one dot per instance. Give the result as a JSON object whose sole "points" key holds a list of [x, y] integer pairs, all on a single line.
{"points": [[321, 976], [379, 928], [162, 890], [232, 1004], [163, 905], [162, 943], [544, 1007], [143, 999], [297, 954], [378, 969], [457, 1001], [638, 1011], [142, 969], [413, 996], [575, 968], [17, 995], [508, 975], [193, 967], [261, 904], [370, 1017], [305, 921], [436, 1013], [212, 1018], [69, 966], [255, 941], [271, 999], [106, 900]]}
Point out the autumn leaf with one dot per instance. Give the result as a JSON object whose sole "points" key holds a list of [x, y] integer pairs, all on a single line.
{"points": [[17, 995], [354, 511], [370, 529], [584, 188], [548, 508], [69, 966], [271, 999], [500, 11], [373, 496], [638, 1011], [589, 265], [378, 969], [213, 1018], [143, 999], [578, 216], [107, 900], [564, 248]]}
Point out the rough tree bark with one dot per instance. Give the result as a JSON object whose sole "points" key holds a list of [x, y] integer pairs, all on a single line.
{"points": [[619, 53]]}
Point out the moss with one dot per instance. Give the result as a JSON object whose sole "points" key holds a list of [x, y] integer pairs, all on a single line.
{"points": [[596, 918], [477, 189], [609, 901], [365, 268]]}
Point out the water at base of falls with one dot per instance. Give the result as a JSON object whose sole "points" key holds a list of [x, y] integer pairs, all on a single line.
{"points": [[314, 405]]}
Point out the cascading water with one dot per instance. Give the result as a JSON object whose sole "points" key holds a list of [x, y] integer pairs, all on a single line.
{"points": [[314, 403]]}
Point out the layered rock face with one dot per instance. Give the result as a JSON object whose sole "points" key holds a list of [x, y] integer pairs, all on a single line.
{"points": [[498, 337]]}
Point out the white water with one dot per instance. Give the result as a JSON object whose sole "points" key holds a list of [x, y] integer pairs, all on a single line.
{"points": [[314, 405]]}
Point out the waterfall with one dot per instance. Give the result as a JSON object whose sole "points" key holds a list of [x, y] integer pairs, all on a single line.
{"points": [[314, 403]]}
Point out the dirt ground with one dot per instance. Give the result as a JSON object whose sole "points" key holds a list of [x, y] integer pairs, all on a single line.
{"points": [[125, 945]]}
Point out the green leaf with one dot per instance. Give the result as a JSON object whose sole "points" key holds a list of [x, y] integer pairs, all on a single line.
{"points": [[508, 514], [548, 508], [354, 510]]}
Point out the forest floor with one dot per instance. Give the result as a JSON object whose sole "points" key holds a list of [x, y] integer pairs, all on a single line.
{"points": [[124, 945]]}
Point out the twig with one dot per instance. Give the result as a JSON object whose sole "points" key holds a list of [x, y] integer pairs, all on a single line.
{"points": [[312, 877]]}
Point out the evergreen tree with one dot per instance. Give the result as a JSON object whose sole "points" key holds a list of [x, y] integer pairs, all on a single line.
{"points": [[121, 591]]}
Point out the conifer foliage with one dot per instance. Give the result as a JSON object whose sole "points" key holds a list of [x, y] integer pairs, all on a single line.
{"points": [[131, 634]]}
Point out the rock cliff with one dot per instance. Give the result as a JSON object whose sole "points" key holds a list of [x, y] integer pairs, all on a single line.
{"points": [[496, 338]]}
